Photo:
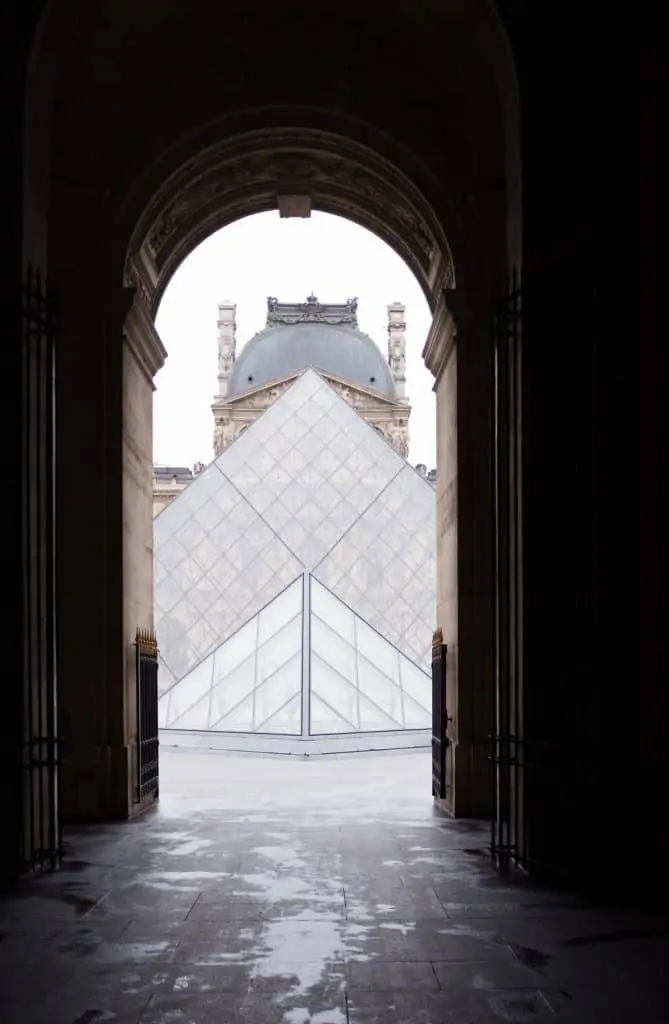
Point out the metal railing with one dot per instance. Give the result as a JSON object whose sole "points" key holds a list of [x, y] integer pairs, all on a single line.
{"points": [[440, 718], [40, 845], [146, 652], [508, 839]]}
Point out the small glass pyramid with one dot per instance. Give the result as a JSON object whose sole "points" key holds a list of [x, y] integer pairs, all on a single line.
{"points": [[254, 681]]}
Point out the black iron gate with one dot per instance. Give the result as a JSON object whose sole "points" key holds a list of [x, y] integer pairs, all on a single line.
{"points": [[146, 647], [40, 834], [508, 840], [440, 717]]}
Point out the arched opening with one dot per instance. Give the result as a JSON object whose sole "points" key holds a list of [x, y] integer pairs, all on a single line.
{"points": [[333, 517]]}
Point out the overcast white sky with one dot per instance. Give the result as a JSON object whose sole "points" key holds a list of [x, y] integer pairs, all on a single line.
{"points": [[264, 255]]}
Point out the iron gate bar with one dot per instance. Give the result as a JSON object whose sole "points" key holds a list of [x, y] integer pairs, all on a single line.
{"points": [[440, 718], [146, 650], [508, 839], [40, 836]]}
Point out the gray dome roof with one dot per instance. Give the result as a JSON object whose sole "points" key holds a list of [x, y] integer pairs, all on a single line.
{"points": [[286, 349]]}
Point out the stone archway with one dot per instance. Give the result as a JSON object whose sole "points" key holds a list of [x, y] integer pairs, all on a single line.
{"points": [[263, 170], [129, 195]]}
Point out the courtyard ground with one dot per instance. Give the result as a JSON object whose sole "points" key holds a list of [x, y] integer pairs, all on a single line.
{"points": [[312, 891]]}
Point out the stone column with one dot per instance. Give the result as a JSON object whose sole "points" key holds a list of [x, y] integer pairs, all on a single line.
{"points": [[464, 608]]}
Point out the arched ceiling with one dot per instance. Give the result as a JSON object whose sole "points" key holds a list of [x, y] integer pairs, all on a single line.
{"points": [[248, 173], [182, 117]]}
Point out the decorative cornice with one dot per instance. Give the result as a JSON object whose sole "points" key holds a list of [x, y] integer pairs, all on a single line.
{"points": [[247, 172], [440, 341], [143, 340], [225, 402]]}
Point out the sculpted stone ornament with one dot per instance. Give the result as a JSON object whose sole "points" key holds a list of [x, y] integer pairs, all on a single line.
{"points": [[399, 438], [224, 434], [312, 311], [397, 355]]}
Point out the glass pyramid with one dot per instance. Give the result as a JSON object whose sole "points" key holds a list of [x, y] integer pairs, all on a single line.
{"points": [[309, 488], [253, 682]]}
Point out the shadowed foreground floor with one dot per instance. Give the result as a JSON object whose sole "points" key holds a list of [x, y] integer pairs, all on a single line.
{"points": [[312, 892]]}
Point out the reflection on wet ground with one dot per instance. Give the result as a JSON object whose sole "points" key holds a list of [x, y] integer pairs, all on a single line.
{"points": [[311, 892]]}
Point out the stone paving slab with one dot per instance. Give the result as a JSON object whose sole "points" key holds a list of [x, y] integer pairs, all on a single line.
{"points": [[325, 892]]}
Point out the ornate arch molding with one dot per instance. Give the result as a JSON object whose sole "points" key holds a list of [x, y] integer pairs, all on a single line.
{"points": [[247, 173]]}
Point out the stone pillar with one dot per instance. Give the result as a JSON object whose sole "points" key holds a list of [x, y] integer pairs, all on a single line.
{"points": [[464, 610], [89, 577], [103, 456], [227, 344], [397, 346], [143, 356]]}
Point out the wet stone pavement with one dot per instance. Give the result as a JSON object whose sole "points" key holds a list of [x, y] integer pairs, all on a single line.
{"points": [[312, 892]]}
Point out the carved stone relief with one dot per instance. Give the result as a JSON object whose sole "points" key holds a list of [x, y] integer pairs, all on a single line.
{"points": [[344, 174]]}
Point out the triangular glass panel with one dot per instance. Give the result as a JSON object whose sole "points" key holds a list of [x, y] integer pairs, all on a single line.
{"points": [[276, 691], [360, 679], [340, 694], [232, 690], [195, 717], [374, 719], [287, 721], [325, 720], [239, 718]]}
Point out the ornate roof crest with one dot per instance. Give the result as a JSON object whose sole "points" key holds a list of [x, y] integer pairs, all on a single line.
{"points": [[311, 312]]}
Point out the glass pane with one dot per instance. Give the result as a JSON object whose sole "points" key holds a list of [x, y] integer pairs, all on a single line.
{"points": [[373, 719], [282, 609], [195, 717], [416, 716], [325, 720], [332, 649], [273, 694], [416, 684], [190, 689], [191, 533], [384, 697], [331, 610], [171, 552], [334, 691], [166, 677], [209, 515], [239, 718], [280, 649], [288, 719], [235, 650], [230, 694], [378, 651]]}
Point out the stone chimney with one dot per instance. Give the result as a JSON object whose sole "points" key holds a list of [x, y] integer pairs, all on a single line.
{"points": [[227, 344], [397, 346]]}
